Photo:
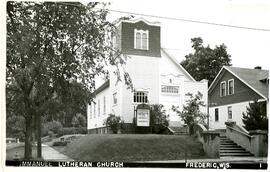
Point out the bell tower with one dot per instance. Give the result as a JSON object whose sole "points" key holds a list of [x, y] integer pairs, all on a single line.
{"points": [[139, 37]]}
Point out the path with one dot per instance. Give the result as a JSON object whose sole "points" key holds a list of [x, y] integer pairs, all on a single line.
{"points": [[50, 154]]}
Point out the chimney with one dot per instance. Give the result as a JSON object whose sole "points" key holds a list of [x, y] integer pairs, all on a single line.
{"points": [[258, 67]]}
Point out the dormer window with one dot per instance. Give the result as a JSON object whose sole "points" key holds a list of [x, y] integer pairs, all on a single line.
{"points": [[141, 39]]}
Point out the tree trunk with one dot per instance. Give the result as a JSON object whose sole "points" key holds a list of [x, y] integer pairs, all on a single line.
{"points": [[38, 127], [28, 138]]}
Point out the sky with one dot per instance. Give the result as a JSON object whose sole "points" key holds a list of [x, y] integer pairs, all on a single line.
{"points": [[248, 48]]}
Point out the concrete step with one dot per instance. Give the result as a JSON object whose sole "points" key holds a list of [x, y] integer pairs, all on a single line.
{"points": [[233, 151], [225, 142], [228, 143], [235, 154], [180, 133], [231, 148]]}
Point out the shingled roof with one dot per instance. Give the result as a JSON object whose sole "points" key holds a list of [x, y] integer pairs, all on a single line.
{"points": [[254, 78]]}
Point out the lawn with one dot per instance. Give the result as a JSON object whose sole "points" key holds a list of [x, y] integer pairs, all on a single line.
{"points": [[10, 153], [133, 147]]}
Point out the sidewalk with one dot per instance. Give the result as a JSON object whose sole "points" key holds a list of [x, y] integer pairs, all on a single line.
{"points": [[50, 154]]}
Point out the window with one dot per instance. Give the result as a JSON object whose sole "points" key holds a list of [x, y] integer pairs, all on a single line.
{"points": [[140, 97], [231, 87], [104, 105], [115, 98], [94, 110], [222, 89], [216, 114], [90, 111], [141, 40], [170, 89], [98, 107], [114, 41], [229, 112]]}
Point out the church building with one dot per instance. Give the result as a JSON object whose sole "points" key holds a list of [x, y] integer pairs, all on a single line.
{"points": [[157, 78]]}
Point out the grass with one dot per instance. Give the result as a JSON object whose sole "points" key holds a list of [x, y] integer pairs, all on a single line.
{"points": [[10, 153], [133, 147]]}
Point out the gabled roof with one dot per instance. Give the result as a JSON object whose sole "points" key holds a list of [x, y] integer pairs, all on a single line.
{"points": [[177, 63], [253, 78], [102, 87]]}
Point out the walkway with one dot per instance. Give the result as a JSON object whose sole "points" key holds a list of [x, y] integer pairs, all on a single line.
{"points": [[50, 154]]}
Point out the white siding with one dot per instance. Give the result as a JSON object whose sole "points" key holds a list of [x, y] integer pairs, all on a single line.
{"points": [[148, 73], [98, 120], [144, 72], [237, 110]]}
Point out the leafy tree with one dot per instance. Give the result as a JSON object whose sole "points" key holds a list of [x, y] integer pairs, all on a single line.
{"points": [[158, 115], [255, 117], [114, 122], [191, 113], [15, 126], [79, 120], [54, 52], [206, 62]]}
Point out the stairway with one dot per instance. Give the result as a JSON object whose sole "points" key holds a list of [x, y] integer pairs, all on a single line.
{"points": [[180, 130], [228, 148]]}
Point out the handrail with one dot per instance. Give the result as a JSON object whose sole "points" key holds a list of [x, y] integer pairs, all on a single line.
{"points": [[240, 132], [168, 128]]}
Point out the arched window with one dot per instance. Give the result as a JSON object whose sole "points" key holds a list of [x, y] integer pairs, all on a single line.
{"points": [[144, 41], [141, 39], [138, 40]]}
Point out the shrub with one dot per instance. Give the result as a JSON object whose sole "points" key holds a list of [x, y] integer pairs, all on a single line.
{"points": [[53, 126], [114, 122], [158, 116], [255, 117], [191, 113], [78, 120], [72, 130], [59, 143]]}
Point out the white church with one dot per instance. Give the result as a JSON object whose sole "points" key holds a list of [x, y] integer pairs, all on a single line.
{"points": [[157, 78]]}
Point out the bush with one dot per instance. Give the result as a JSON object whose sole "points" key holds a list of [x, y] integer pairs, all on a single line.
{"points": [[72, 130], [79, 120], [114, 122], [255, 117], [52, 126], [59, 143], [158, 115]]}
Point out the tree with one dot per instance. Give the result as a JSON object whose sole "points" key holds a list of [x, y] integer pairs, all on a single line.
{"points": [[255, 117], [158, 115], [79, 120], [54, 48], [205, 62], [114, 122], [191, 113]]}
